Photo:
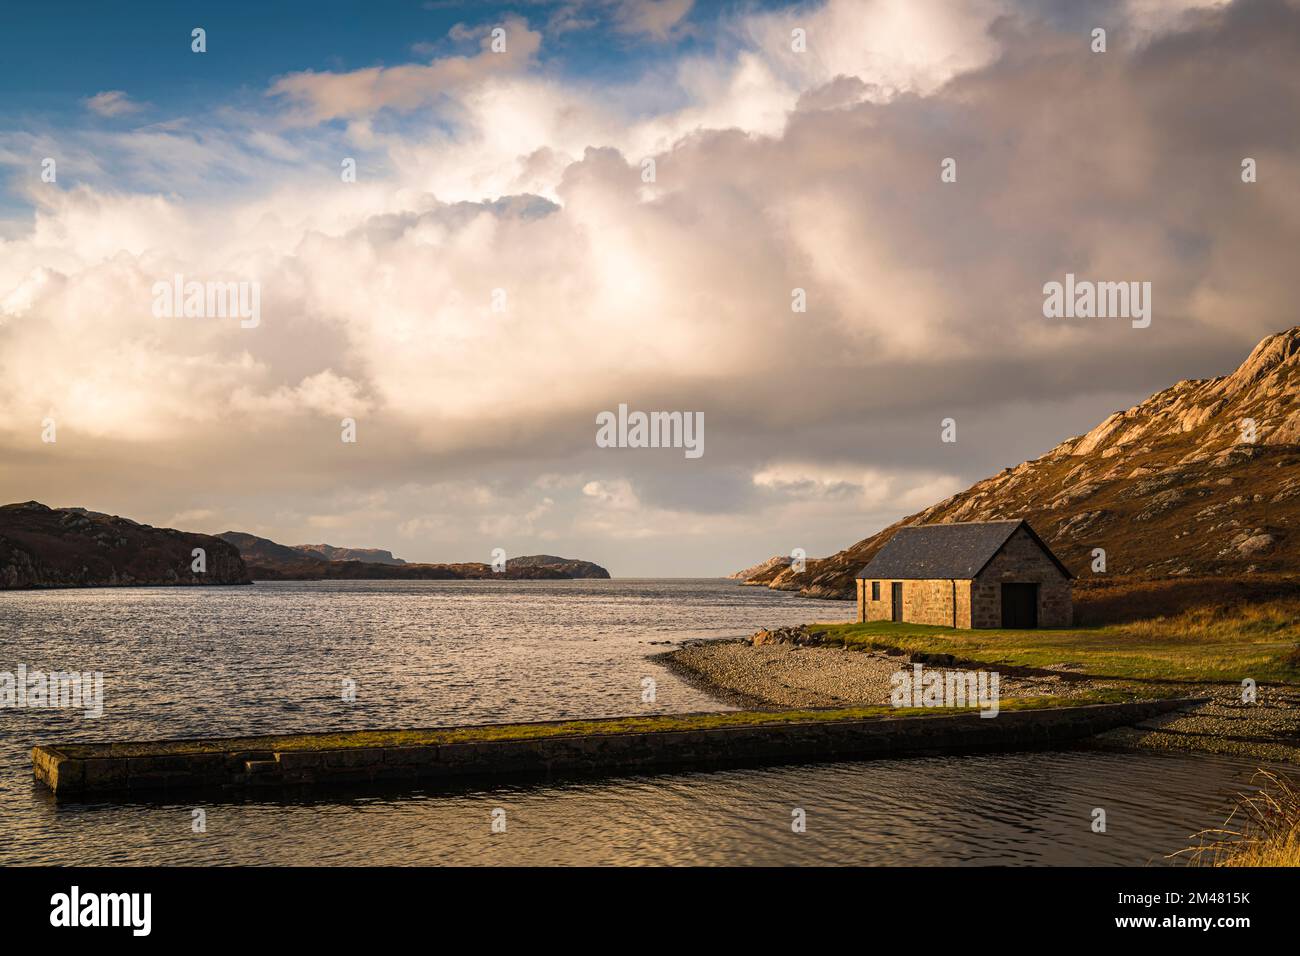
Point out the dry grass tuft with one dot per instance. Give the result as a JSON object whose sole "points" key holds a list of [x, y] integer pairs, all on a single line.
{"points": [[1263, 830], [1278, 617], [1124, 599]]}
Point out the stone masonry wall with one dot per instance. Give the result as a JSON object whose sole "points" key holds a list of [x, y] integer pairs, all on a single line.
{"points": [[964, 589], [221, 770], [924, 602], [1021, 560], [870, 610], [928, 602]]}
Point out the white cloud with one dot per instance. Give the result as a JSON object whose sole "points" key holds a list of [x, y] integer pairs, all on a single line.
{"points": [[326, 95], [112, 103], [655, 18], [613, 494]]}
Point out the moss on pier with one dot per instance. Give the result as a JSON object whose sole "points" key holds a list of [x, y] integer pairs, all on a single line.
{"points": [[662, 723]]}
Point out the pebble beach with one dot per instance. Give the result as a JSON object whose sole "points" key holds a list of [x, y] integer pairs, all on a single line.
{"points": [[786, 675]]}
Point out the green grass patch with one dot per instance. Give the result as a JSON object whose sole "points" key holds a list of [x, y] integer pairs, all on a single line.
{"points": [[659, 723], [1202, 645]]}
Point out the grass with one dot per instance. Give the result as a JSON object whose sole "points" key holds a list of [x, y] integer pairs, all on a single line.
{"points": [[1119, 600], [1263, 830], [1211, 644], [661, 723]]}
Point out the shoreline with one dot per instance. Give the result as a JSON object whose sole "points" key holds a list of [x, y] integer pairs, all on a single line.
{"points": [[771, 676], [673, 662]]}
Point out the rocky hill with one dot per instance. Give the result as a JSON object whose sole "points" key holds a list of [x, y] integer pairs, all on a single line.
{"points": [[764, 572], [268, 553], [263, 552], [1202, 478], [330, 553], [43, 547]]}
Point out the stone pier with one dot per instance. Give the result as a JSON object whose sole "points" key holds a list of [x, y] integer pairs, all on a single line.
{"points": [[552, 749]]}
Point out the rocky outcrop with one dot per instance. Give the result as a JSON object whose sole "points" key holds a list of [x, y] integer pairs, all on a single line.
{"points": [[774, 569], [43, 547], [1201, 478], [763, 572]]}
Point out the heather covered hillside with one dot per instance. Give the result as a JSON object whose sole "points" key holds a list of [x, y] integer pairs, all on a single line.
{"points": [[43, 547]]}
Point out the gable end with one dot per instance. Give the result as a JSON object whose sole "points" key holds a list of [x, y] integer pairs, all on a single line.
{"points": [[1042, 546]]}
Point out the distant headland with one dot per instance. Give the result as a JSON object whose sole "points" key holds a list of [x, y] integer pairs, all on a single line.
{"points": [[43, 547]]}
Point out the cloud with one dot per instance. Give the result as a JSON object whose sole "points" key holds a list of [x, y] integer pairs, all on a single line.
{"points": [[327, 95], [613, 494], [325, 393], [112, 103], [855, 487], [500, 272], [505, 525], [653, 18], [192, 518]]}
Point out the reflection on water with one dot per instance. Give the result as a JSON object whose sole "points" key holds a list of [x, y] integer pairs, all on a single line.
{"points": [[1029, 808], [272, 657]]}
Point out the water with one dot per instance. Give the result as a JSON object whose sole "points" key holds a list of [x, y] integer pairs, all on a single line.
{"points": [[273, 657]]}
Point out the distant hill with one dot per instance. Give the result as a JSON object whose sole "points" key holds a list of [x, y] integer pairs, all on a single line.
{"points": [[42, 547], [266, 553], [569, 567], [331, 553], [269, 561], [1174, 486]]}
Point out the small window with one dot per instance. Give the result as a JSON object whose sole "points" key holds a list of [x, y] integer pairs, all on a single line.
{"points": [[875, 590]]}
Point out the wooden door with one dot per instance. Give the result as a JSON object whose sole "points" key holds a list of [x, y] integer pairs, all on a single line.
{"points": [[1020, 605]]}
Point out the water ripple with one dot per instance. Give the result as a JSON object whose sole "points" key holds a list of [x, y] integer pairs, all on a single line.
{"points": [[273, 657]]}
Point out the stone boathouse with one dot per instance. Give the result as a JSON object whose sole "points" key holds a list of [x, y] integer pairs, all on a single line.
{"points": [[967, 574]]}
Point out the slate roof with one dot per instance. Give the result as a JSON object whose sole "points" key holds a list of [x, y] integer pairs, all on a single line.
{"points": [[958, 550]]}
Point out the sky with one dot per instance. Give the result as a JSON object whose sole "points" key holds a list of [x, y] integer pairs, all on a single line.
{"points": [[613, 204]]}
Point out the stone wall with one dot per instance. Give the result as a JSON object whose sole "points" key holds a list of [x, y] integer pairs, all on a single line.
{"points": [[95, 768], [928, 602], [924, 602], [965, 590], [1022, 561], [869, 610]]}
